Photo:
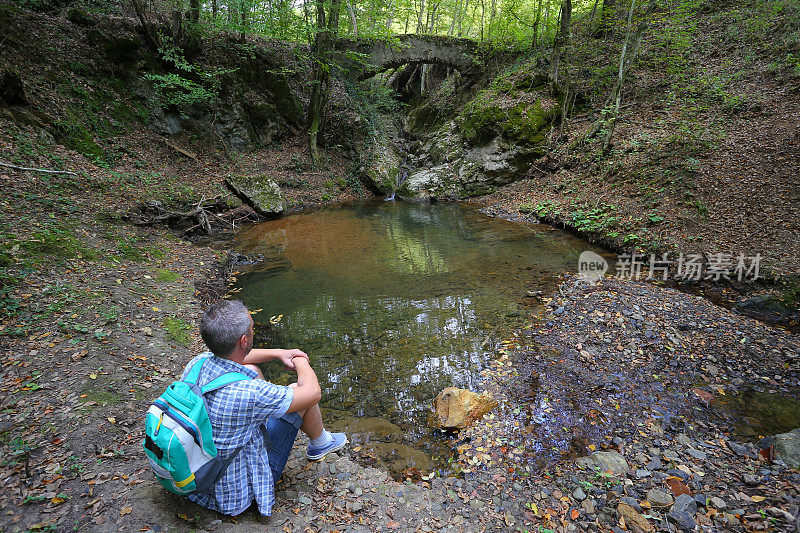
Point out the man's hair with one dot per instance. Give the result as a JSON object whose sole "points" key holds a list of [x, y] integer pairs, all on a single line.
{"points": [[223, 324]]}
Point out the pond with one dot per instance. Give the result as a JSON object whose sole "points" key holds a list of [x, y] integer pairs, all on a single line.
{"points": [[394, 302]]}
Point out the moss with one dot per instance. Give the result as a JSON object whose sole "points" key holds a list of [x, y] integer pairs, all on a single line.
{"points": [[166, 276], [524, 122], [72, 133], [178, 330]]}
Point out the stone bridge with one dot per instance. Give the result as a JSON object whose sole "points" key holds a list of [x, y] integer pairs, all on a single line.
{"points": [[367, 57]]}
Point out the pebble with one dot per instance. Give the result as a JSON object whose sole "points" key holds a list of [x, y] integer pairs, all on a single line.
{"points": [[697, 454], [717, 503], [659, 498], [750, 480], [578, 494], [682, 513]]}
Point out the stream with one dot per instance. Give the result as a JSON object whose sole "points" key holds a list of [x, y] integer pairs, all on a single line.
{"points": [[394, 302]]}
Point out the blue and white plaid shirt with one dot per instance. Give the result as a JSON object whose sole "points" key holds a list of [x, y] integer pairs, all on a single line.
{"points": [[237, 413]]}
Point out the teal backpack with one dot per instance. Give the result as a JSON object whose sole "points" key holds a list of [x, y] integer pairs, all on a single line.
{"points": [[178, 441]]}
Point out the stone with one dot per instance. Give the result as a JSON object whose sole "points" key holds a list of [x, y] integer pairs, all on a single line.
{"points": [[633, 502], [259, 192], [642, 473], [671, 456], [697, 454], [787, 447], [459, 408], [304, 500], [750, 480], [654, 464], [610, 461], [682, 513], [717, 503], [633, 519], [578, 494], [700, 499], [659, 498], [587, 506]]}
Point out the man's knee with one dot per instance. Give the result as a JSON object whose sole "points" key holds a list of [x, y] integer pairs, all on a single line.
{"points": [[255, 369]]}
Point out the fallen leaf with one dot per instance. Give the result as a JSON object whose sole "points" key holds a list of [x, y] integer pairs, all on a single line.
{"points": [[677, 486], [575, 514], [125, 510], [112, 419], [92, 376], [757, 498]]}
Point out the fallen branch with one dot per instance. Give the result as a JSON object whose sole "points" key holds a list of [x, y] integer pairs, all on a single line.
{"points": [[46, 171], [187, 153]]}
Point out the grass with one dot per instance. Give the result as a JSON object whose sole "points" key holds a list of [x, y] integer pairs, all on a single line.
{"points": [[178, 330]]}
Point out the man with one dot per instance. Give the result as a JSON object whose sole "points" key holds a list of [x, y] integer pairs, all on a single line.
{"points": [[243, 411]]}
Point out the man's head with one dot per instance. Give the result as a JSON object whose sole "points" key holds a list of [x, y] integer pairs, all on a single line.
{"points": [[226, 326]]}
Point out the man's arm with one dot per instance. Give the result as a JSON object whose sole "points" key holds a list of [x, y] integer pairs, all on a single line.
{"points": [[307, 392], [263, 355]]}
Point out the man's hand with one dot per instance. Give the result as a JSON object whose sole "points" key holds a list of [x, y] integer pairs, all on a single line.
{"points": [[286, 357]]}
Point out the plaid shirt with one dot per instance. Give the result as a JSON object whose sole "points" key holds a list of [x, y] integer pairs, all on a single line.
{"points": [[237, 413]]}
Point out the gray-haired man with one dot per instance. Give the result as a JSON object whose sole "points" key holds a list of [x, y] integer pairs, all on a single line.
{"points": [[243, 412]]}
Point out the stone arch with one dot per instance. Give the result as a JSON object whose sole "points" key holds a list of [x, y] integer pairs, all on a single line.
{"points": [[363, 58]]}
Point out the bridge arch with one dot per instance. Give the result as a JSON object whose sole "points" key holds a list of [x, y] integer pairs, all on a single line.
{"points": [[376, 55]]}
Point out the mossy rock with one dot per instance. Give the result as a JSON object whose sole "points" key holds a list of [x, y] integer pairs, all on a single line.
{"points": [[259, 192], [523, 123]]}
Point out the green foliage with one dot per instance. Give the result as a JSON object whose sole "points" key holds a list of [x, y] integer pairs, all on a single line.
{"points": [[597, 219], [191, 84]]}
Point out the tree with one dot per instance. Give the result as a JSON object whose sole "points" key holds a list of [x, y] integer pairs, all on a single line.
{"points": [[324, 41], [626, 59], [560, 44]]}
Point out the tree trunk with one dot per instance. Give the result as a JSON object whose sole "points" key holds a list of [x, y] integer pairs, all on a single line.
{"points": [[607, 16], [324, 41], [214, 9], [535, 42], [625, 60], [560, 43], [194, 10]]}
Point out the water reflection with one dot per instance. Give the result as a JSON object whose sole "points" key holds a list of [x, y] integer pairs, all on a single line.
{"points": [[393, 301]]}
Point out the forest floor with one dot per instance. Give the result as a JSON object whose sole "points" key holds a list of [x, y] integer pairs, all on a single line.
{"points": [[101, 316]]}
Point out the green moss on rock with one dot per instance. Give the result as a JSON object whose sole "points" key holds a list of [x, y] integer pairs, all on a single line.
{"points": [[260, 192], [524, 122]]}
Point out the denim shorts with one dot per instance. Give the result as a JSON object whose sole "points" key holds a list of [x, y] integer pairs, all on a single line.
{"points": [[280, 436]]}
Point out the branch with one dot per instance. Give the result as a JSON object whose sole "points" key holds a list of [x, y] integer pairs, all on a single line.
{"points": [[15, 167]]}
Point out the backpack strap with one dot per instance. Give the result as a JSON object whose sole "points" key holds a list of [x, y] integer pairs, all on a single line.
{"points": [[221, 381], [194, 373]]}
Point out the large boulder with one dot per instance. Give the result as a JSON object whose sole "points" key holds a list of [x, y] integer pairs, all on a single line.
{"points": [[259, 192], [787, 446], [459, 408]]}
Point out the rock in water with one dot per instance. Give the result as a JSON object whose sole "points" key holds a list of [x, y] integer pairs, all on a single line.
{"points": [[459, 408], [259, 192], [787, 446]]}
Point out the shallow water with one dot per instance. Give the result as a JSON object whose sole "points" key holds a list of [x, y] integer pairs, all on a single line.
{"points": [[395, 301], [755, 414]]}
